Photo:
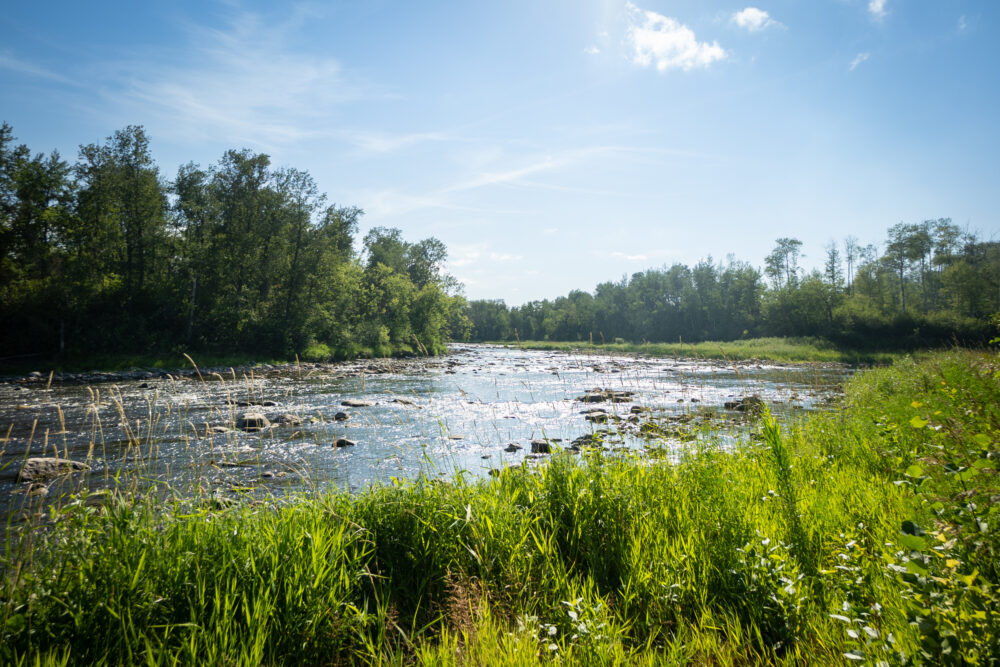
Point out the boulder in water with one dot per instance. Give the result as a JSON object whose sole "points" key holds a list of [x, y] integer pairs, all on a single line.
{"points": [[39, 468]]}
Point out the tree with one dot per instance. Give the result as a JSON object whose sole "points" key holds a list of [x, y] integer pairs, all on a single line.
{"points": [[852, 252], [783, 262], [899, 250], [832, 270], [123, 196]]}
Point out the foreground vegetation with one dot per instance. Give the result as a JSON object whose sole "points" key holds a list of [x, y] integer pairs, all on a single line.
{"points": [[769, 349], [867, 534]]}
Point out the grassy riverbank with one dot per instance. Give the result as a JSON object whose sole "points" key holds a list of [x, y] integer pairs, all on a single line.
{"points": [[767, 349], [864, 534], [169, 361]]}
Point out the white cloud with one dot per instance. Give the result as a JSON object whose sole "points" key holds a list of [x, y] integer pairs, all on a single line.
{"points": [[962, 23], [505, 257], [754, 19], [381, 142], [465, 255], [630, 258], [662, 41], [877, 8], [858, 59], [591, 50]]}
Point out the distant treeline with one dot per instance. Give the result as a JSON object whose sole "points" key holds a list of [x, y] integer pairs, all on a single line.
{"points": [[107, 255], [930, 284]]}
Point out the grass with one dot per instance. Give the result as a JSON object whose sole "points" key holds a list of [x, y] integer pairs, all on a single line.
{"points": [[863, 535], [769, 349], [179, 360]]}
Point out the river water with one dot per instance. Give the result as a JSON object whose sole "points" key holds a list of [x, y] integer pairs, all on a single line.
{"points": [[426, 416]]}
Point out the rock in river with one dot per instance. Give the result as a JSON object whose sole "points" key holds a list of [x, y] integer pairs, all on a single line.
{"points": [[753, 404], [405, 401], [343, 442], [290, 420], [341, 416], [540, 447], [350, 403], [254, 421], [606, 396], [45, 467]]}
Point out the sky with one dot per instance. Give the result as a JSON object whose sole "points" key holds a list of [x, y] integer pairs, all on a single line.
{"points": [[550, 144]]}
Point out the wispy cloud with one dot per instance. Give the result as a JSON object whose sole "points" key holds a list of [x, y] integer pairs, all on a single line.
{"points": [[534, 166], [858, 59], [754, 19], [383, 142], [477, 265], [630, 258], [962, 23], [592, 50], [877, 9], [659, 40], [9, 62], [516, 173], [387, 203], [244, 82]]}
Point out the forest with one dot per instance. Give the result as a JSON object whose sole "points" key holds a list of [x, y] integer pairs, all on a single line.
{"points": [[930, 283], [108, 255]]}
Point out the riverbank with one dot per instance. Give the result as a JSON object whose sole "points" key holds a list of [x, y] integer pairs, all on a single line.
{"points": [[139, 366], [785, 350], [864, 534], [124, 368]]}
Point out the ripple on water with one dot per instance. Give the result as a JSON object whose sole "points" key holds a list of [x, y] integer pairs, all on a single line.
{"points": [[170, 429]]}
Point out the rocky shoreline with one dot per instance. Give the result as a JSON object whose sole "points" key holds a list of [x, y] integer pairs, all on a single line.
{"points": [[347, 368], [343, 368]]}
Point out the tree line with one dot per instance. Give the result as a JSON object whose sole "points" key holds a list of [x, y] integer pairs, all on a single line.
{"points": [[107, 255], [928, 283]]}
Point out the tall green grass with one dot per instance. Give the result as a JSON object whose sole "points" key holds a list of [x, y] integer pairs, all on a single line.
{"points": [[765, 349], [863, 535]]}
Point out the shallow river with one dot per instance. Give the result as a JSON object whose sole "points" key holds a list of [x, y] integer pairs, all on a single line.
{"points": [[431, 416]]}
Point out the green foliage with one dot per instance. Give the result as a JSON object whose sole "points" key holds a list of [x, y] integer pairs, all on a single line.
{"points": [[243, 258], [934, 285]]}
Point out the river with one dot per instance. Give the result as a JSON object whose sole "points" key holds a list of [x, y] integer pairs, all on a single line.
{"points": [[436, 417]]}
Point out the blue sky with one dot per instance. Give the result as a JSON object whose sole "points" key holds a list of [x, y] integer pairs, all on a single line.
{"points": [[551, 144]]}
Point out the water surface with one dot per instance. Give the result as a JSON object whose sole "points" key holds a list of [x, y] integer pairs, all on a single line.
{"points": [[427, 416]]}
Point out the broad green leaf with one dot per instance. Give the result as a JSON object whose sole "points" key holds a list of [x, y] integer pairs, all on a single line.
{"points": [[914, 471], [912, 542], [982, 439], [985, 464], [917, 422]]}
